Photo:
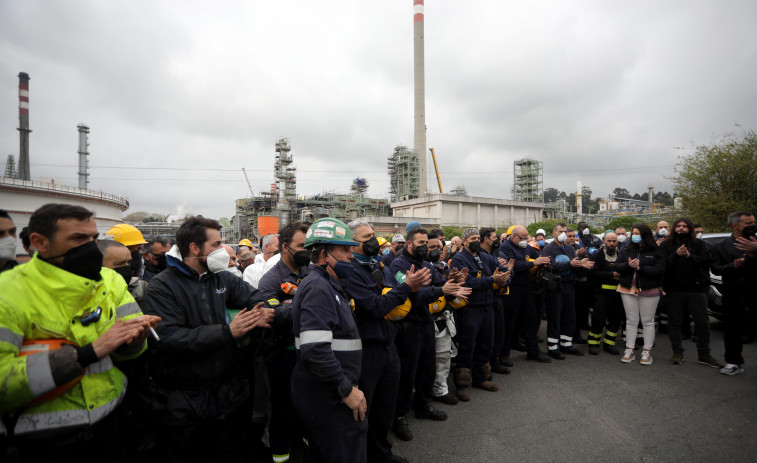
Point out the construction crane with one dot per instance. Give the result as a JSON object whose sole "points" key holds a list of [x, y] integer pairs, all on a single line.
{"points": [[252, 194], [436, 168]]}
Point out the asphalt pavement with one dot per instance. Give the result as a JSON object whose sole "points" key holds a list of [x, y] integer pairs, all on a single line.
{"points": [[595, 408]]}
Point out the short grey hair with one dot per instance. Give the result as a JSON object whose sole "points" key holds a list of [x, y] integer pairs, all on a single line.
{"points": [[355, 224], [735, 217], [267, 239], [104, 244]]}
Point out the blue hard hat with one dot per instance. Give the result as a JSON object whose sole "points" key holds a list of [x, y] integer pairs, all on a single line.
{"points": [[412, 225], [563, 258]]}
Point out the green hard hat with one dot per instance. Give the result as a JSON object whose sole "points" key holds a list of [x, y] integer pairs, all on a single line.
{"points": [[329, 231]]}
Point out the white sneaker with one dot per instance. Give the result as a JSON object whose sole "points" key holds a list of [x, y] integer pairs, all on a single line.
{"points": [[628, 356], [646, 357], [730, 369]]}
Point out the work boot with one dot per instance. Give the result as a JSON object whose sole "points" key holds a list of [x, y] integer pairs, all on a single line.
{"points": [[462, 383], [447, 398], [401, 429], [501, 369], [555, 354], [570, 350], [487, 370], [611, 349], [593, 349], [709, 360], [506, 362], [397, 459], [430, 413], [490, 386], [677, 358], [541, 358]]}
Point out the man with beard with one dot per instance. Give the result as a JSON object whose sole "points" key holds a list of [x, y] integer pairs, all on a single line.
{"points": [[415, 338], [686, 282], [608, 306], [201, 396]]}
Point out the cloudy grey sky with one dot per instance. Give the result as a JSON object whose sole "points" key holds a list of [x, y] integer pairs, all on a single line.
{"points": [[600, 91]]}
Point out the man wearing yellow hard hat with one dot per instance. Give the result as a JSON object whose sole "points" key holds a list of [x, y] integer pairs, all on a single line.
{"points": [[129, 236]]}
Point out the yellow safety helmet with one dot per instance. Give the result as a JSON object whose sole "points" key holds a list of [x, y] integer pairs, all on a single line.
{"points": [[381, 241], [510, 230], [126, 234], [458, 302], [245, 242], [533, 269], [399, 312], [438, 305]]}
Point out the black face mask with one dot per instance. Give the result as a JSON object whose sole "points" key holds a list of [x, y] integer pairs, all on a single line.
{"points": [[371, 247], [301, 258], [161, 265], [474, 246], [749, 231], [136, 262], [495, 245], [125, 272], [84, 260], [399, 249], [433, 256], [421, 252]]}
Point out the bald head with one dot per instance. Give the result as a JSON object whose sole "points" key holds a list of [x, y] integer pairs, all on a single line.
{"points": [[232, 255], [611, 240]]}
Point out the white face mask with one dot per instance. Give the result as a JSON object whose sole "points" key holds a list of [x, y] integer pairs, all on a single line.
{"points": [[621, 238], [699, 235], [663, 232], [218, 260], [523, 244], [8, 248], [562, 237], [585, 232], [234, 271]]}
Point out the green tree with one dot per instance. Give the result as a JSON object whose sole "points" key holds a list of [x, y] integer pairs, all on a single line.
{"points": [[551, 195], [621, 193], [718, 179]]}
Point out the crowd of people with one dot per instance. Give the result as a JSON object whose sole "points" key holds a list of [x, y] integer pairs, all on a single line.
{"points": [[325, 336]]}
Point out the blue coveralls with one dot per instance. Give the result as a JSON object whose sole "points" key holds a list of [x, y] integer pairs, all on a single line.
{"points": [[521, 304], [280, 356], [475, 321], [329, 356], [380, 373], [561, 303], [415, 341]]}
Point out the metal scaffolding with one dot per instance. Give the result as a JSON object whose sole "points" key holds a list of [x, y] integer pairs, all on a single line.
{"points": [[528, 180], [404, 174]]}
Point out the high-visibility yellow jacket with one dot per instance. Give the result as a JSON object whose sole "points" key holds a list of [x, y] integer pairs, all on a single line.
{"points": [[41, 301]]}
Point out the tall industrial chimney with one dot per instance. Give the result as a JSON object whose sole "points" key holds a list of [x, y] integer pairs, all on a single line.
{"points": [[419, 144], [83, 153], [24, 172]]}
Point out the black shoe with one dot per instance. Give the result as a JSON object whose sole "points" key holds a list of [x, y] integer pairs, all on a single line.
{"points": [[401, 429], [506, 362], [555, 354], [447, 398], [430, 413], [541, 358], [611, 349], [519, 347], [570, 350], [397, 459], [594, 349], [579, 340], [501, 369]]}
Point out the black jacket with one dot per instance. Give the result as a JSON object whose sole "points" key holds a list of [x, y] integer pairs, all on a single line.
{"points": [[602, 272], [196, 364], [651, 267], [736, 281], [686, 274]]}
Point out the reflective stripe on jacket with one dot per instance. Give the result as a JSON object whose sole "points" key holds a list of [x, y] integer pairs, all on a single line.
{"points": [[41, 301]]}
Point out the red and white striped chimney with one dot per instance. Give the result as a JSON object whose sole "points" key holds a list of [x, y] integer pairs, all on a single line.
{"points": [[24, 172]]}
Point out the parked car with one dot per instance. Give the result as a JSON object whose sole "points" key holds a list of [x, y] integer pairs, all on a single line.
{"points": [[715, 294]]}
